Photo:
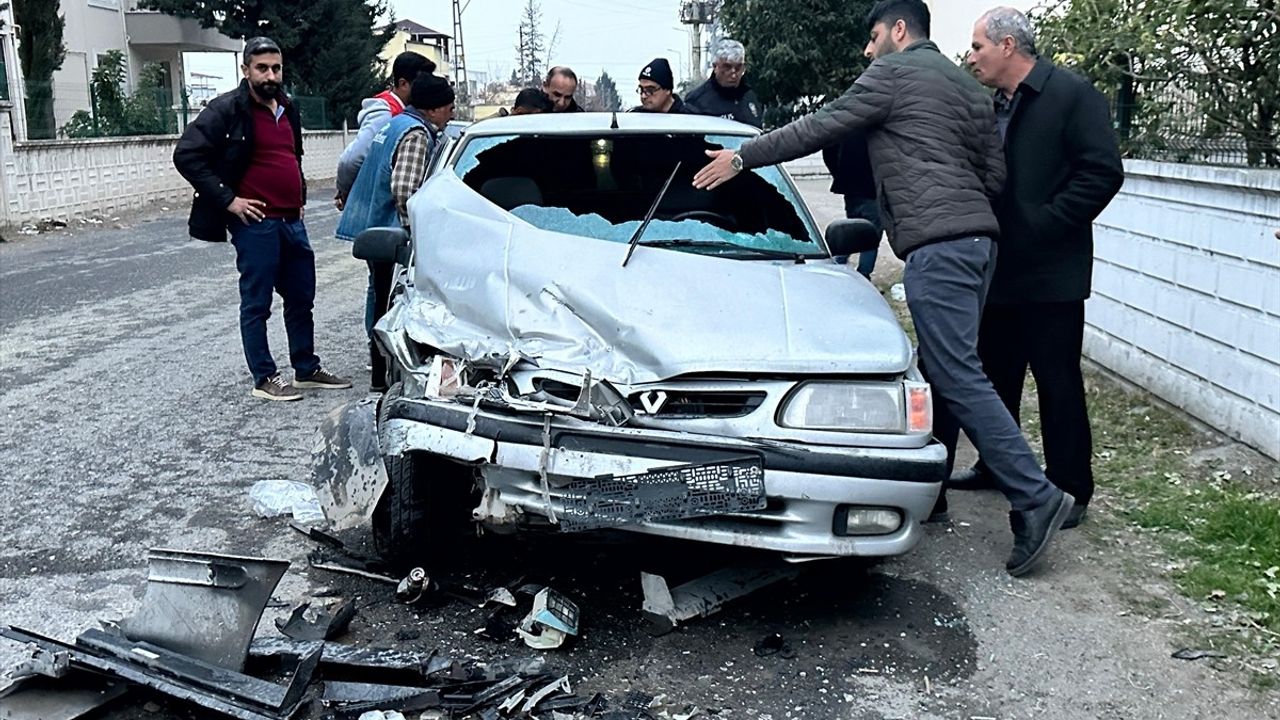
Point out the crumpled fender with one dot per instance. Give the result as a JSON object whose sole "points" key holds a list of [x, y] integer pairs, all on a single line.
{"points": [[347, 470]]}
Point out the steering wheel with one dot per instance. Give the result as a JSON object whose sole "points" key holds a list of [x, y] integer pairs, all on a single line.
{"points": [[723, 222]]}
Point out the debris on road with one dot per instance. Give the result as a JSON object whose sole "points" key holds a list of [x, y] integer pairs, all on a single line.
{"points": [[773, 644], [271, 498], [318, 619], [552, 619], [414, 586], [666, 607], [1190, 654]]}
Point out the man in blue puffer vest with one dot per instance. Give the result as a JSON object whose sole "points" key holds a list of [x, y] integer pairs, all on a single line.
{"points": [[393, 170]]}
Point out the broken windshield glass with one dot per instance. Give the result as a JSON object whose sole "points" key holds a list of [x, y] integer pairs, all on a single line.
{"points": [[602, 188]]}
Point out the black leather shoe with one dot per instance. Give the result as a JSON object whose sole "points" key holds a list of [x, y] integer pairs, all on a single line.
{"points": [[974, 478], [1033, 529], [1077, 515]]}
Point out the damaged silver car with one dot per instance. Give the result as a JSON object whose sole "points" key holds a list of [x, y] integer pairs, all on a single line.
{"points": [[581, 340]]}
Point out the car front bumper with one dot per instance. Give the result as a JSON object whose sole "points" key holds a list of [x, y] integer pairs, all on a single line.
{"points": [[806, 485]]}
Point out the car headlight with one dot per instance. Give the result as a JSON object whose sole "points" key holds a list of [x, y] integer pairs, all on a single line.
{"points": [[879, 407]]}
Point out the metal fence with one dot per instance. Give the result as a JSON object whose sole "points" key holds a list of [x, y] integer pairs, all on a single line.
{"points": [[1170, 124]]}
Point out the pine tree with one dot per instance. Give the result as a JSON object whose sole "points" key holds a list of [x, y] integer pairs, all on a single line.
{"points": [[607, 97], [40, 54], [530, 49]]}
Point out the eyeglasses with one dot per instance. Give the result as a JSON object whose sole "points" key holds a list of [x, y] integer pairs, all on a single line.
{"points": [[647, 91]]}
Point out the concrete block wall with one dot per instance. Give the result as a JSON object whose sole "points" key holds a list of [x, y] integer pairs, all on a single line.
{"points": [[103, 177], [1186, 300]]}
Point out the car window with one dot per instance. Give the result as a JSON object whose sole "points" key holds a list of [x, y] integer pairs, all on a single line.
{"points": [[601, 187]]}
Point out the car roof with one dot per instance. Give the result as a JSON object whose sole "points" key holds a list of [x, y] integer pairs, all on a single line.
{"points": [[601, 124]]}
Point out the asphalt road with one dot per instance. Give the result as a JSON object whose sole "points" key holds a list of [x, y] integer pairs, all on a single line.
{"points": [[127, 425]]}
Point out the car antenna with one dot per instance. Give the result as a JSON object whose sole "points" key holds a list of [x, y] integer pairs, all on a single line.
{"points": [[653, 209], [614, 125]]}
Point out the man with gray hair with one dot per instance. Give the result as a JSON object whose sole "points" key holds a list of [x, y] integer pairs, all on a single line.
{"points": [[1064, 167], [726, 94]]}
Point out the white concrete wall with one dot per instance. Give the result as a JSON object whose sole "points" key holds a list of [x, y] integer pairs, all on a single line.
{"points": [[1186, 298], [104, 177]]}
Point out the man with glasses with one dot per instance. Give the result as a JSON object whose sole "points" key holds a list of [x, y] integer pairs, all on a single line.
{"points": [[560, 86], [726, 94], [656, 84]]}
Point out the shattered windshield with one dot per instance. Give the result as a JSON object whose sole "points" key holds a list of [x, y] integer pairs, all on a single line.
{"points": [[601, 187]]}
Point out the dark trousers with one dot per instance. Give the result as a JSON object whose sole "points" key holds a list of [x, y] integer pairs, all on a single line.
{"points": [[946, 284], [1045, 337], [856, 208], [381, 275], [275, 255]]}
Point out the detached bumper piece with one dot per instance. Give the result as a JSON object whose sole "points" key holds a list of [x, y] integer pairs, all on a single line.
{"points": [[179, 676]]}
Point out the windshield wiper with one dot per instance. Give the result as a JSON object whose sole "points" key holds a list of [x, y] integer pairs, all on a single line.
{"points": [[798, 257], [653, 209]]}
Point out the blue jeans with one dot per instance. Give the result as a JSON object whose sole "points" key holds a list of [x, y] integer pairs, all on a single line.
{"points": [[275, 255], [947, 284], [862, 209]]}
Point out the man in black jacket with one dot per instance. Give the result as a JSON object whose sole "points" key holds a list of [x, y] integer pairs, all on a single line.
{"points": [[243, 156], [656, 84], [932, 136], [852, 178], [561, 84], [1064, 167], [726, 93]]}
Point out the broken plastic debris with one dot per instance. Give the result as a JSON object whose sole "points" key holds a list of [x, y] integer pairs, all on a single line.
{"points": [[553, 618], [382, 715], [318, 619], [898, 292], [1189, 654], [277, 497], [414, 585]]}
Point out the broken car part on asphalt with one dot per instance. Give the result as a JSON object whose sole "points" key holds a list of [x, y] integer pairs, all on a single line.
{"points": [[204, 605], [666, 607], [318, 619]]}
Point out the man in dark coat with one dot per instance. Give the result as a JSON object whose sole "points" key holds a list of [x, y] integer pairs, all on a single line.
{"points": [[852, 178], [243, 155], [656, 89], [726, 93], [932, 136], [1064, 167], [561, 84]]}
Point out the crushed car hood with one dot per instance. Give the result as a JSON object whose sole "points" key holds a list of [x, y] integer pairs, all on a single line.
{"points": [[487, 284]]}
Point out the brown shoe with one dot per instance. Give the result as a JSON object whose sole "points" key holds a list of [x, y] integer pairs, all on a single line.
{"points": [[275, 388], [322, 379]]}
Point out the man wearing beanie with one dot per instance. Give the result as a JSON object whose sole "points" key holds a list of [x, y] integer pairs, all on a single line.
{"points": [[394, 169], [656, 83]]}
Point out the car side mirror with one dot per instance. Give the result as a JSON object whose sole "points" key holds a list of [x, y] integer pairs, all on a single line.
{"points": [[850, 237], [382, 244]]}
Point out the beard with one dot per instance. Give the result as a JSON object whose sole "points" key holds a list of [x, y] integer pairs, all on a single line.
{"points": [[266, 89]]}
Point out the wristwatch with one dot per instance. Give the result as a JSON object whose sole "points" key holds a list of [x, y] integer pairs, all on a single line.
{"points": [[736, 162]]}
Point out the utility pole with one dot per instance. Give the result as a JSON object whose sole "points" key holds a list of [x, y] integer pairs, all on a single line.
{"points": [[695, 14], [460, 58]]}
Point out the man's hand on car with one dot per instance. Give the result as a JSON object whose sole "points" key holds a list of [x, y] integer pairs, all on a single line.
{"points": [[716, 172], [247, 209]]}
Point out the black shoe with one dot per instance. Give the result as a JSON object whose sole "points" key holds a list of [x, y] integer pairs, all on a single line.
{"points": [[1077, 515], [974, 478], [1033, 529]]}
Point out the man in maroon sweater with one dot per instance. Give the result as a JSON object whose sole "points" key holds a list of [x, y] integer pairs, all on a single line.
{"points": [[243, 155]]}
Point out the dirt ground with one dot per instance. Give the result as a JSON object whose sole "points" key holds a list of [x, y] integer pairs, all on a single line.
{"points": [[128, 425]]}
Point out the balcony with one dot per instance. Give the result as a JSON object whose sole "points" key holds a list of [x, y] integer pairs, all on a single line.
{"points": [[158, 31]]}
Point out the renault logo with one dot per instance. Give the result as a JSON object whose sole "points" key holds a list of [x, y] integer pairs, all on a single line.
{"points": [[653, 401]]}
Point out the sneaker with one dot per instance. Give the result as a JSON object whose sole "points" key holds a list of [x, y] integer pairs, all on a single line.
{"points": [[275, 388], [322, 379], [1033, 529]]}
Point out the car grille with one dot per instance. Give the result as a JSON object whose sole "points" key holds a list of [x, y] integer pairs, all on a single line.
{"points": [[674, 403], [696, 403]]}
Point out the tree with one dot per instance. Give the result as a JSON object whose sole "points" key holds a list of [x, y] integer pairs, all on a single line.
{"points": [[146, 112], [40, 54], [607, 97], [800, 53], [530, 48], [330, 47], [1206, 70]]}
